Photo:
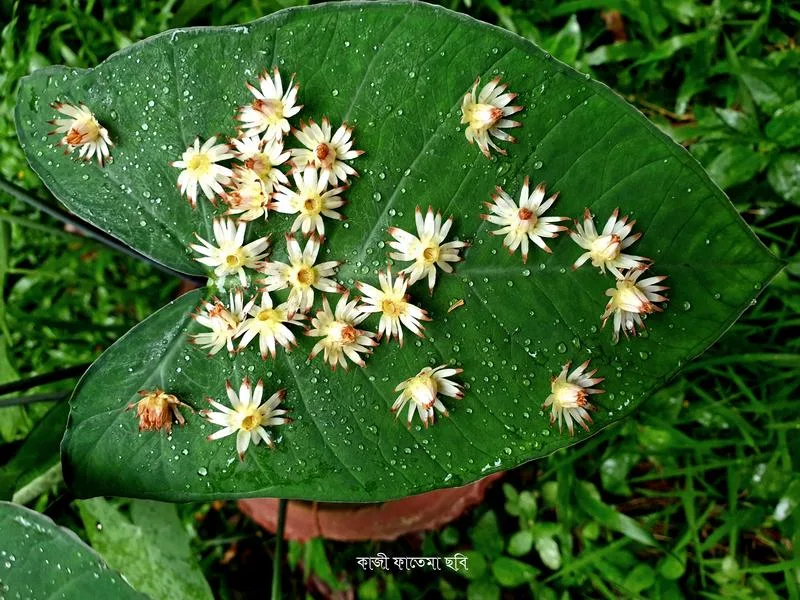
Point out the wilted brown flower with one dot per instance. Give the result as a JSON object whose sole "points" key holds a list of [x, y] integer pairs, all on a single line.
{"points": [[156, 408]]}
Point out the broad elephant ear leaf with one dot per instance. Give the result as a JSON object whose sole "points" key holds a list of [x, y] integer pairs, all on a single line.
{"points": [[39, 559], [397, 73]]}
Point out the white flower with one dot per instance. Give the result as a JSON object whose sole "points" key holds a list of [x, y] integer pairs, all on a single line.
{"points": [[249, 416], [605, 249], [524, 222], [249, 197], [568, 396], [310, 202], [222, 321], [301, 275], [199, 164], [231, 256], [270, 324], [82, 131], [422, 393], [486, 113], [340, 337], [428, 250], [325, 151], [392, 302], [263, 156], [272, 107], [632, 298]]}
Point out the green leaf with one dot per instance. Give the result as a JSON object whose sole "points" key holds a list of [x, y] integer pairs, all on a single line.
{"points": [[566, 44], [483, 589], [784, 176], [512, 573], [355, 62], [673, 565], [151, 549], [784, 127], [520, 543], [640, 578], [476, 565], [486, 536], [38, 453], [736, 164], [609, 517], [39, 559], [549, 552]]}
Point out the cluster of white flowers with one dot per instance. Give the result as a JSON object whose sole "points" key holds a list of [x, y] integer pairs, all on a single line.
{"points": [[248, 175], [524, 222], [257, 173], [631, 298]]}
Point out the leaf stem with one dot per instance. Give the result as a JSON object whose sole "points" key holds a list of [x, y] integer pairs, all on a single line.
{"points": [[37, 380], [278, 558], [88, 230], [20, 400]]}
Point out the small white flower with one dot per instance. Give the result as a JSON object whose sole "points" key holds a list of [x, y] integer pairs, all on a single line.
{"points": [[427, 251], [486, 113], [82, 131], [249, 197], [568, 396], [199, 164], [632, 298], [326, 151], [392, 302], [270, 324], [222, 322], [231, 256], [310, 202], [249, 417], [263, 156], [341, 339], [524, 222], [605, 249], [422, 392], [272, 107], [301, 275]]}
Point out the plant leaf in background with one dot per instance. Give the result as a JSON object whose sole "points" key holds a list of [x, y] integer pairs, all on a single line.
{"points": [[388, 69], [151, 548], [39, 559]]}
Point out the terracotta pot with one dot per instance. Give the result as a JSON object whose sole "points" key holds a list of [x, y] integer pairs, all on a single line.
{"points": [[357, 522]]}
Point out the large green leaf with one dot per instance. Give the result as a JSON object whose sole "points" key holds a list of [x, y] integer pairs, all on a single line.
{"points": [[397, 71], [39, 559], [152, 548]]}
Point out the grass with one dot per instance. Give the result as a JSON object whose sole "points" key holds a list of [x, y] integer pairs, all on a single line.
{"points": [[697, 497]]}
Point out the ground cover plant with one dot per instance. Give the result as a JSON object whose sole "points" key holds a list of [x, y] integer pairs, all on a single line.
{"points": [[575, 524]]}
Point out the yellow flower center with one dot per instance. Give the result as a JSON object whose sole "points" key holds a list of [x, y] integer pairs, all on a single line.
{"points": [[483, 116], [312, 205], [271, 109], [251, 421], [233, 261], [343, 333], [568, 395], [269, 314], [392, 308], [306, 275], [199, 164], [423, 389], [630, 298], [260, 165], [431, 254], [605, 248]]}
